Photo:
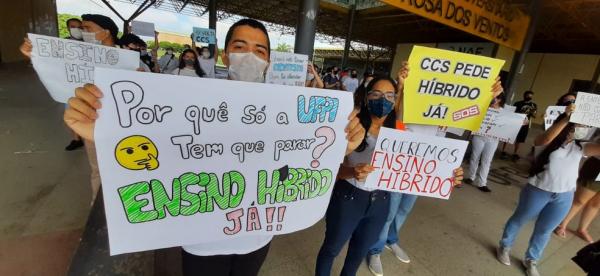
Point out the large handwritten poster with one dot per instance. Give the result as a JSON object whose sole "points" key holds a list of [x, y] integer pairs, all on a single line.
{"points": [[413, 163], [63, 64], [184, 166], [447, 88], [501, 124], [587, 111]]}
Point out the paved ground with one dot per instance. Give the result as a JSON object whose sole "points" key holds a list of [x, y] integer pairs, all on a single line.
{"points": [[45, 201]]}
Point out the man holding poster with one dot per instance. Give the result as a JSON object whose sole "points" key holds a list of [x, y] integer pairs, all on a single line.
{"points": [[247, 41], [448, 88]]}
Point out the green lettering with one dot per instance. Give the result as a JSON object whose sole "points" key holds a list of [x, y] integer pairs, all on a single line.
{"points": [[161, 198], [186, 180], [133, 207]]}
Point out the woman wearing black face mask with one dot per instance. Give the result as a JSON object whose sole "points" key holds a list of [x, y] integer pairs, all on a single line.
{"points": [[354, 212], [189, 65]]}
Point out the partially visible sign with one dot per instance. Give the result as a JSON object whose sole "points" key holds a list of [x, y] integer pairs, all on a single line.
{"points": [[497, 21], [587, 111], [142, 28], [446, 88], [474, 48], [501, 124], [511, 108], [204, 35], [63, 64], [413, 163], [287, 69], [552, 112]]}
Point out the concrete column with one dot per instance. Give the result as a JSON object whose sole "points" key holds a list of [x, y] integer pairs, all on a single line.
{"points": [[351, 15], [212, 20], [519, 57], [306, 27]]}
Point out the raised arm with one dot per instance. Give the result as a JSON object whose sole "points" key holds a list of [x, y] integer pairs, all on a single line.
{"points": [[549, 135], [591, 149]]}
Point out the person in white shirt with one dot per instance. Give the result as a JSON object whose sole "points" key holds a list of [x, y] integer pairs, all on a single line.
{"points": [[208, 61], [350, 83], [188, 65], [134, 43], [482, 154], [548, 195], [246, 54], [168, 62]]}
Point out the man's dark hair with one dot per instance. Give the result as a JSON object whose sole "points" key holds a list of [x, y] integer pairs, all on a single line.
{"points": [[104, 22], [528, 92], [248, 22], [72, 19]]}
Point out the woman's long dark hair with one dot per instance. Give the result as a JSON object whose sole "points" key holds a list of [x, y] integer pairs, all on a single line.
{"points": [[197, 67], [543, 158], [364, 116]]}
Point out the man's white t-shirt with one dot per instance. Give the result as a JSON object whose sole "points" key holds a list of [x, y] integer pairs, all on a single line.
{"points": [[184, 72], [351, 84], [208, 66]]}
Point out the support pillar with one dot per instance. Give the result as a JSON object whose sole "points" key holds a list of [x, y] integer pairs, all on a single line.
{"points": [[519, 58], [212, 21], [306, 27], [351, 14]]}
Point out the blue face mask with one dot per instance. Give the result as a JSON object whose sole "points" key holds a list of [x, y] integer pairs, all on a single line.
{"points": [[380, 107]]}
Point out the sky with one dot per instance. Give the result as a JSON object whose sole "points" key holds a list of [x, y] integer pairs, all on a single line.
{"points": [[166, 21]]}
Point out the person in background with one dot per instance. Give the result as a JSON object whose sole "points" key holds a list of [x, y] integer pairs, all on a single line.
{"points": [[168, 62], [246, 50], [134, 43], [566, 99], [483, 151], [74, 27], [548, 195], [312, 77], [189, 65], [529, 108], [587, 197], [208, 60], [331, 80], [350, 83]]}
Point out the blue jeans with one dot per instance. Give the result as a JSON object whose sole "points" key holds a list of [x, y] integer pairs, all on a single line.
{"points": [[549, 208], [355, 215], [400, 207]]}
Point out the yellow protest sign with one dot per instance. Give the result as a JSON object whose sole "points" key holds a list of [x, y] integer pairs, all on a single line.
{"points": [[447, 88]]}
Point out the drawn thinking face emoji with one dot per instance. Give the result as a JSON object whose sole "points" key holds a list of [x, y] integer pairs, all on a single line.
{"points": [[137, 152]]}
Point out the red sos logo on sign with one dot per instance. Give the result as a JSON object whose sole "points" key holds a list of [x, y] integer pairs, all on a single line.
{"points": [[465, 113]]}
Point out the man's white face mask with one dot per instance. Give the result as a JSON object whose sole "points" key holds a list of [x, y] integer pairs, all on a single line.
{"points": [[247, 67], [76, 33], [90, 38]]}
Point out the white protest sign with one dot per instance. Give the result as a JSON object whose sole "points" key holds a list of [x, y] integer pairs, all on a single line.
{"points": [[587, 111], [180, 167], [62, 64], [552, 112], [510, 108], [287, 69], [501, 124], [142, 28], [413, 163], [598, 177]]}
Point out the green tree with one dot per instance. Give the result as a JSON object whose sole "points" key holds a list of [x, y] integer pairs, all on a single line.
{"points": [[284, 47], [63, 31]]}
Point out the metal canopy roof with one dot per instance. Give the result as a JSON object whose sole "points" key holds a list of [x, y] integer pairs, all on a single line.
{"points": [[565, 26]]}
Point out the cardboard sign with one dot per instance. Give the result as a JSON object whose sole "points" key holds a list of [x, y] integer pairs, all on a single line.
{"points": [[142, 28], [287, 69], [552, 112], [63, 65], [204, 35], [501, 124], [587, 111], [447, 88], [413, 163], [180, 167], [496, 21]]}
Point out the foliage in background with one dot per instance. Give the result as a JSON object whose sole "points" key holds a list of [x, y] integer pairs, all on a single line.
{"points": [[63, 31], [283, 47]]}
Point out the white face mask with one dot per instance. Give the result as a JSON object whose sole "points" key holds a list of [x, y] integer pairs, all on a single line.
{"points": [[76, 33], [246, 67], [90, 38], [310, 76], [580, 133]]}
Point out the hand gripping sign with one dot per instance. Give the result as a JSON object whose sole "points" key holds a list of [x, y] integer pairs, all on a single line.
{"points": [[448, 88], [213, 159]]}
